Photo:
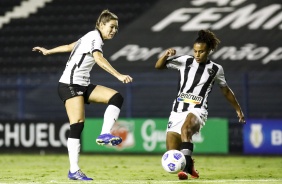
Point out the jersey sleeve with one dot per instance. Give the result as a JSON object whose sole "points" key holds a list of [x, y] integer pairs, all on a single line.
{"points": [[96, 42], [220, 78], [176, 62]]}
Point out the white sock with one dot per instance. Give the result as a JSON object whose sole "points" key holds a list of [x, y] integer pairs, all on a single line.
{"points": [[73, 149], [110, 117]]}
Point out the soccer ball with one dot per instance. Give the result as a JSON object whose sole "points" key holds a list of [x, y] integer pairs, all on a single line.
{"points": [[173, 161]]}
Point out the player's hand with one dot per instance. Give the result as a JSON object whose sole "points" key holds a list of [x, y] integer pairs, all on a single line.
{"points": [[40, 50], [241, 117], [125, 78], [170, 52]]}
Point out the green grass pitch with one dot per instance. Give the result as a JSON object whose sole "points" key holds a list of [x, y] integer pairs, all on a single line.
{"points": [[138, 169]]}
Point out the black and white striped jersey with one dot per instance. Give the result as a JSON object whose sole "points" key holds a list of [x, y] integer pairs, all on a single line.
{"points": [[195, 81], [81, 61]]}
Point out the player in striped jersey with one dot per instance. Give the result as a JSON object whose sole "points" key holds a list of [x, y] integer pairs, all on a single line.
{"points": [[75, 89], [189, 111]]}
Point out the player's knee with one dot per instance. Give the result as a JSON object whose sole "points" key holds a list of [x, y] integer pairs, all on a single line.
{"points": [[116, 100]]}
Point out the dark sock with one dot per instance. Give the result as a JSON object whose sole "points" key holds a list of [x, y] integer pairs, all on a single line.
{"points": [[187, 149], [75, 130]]}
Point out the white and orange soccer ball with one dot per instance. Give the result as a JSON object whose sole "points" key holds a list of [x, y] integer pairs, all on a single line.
{"points": [[173, 161]]}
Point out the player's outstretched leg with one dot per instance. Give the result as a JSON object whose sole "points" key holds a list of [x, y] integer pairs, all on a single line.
{"points": [[78, 175], [108, 139], [110, 117]]}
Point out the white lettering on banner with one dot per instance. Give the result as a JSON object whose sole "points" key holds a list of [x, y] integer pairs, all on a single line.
{"points": [[62, 134], [151, 136], [276, 137], [206, 16], [32, 134], [27, 143], [53, 142], [129, 52], [12, 135], [248, 52], [244, 16], [219, 3], [216, 18], [202, 2], [41, 135], [134, 53], [179, 15], [1, 130], [274, 56], [179, 51], [274, 21]]}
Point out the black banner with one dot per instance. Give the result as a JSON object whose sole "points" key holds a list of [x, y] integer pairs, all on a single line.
{"points": [[249, 30], [33, 136]]}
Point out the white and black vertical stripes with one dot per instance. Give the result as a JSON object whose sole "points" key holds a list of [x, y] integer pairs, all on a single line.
{"points": [[185, 76], [195, 82], [197, 77], [207, 85]]}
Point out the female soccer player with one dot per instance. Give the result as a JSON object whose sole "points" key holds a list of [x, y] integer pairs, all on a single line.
{"points": [[75, 88], [189, 111]]}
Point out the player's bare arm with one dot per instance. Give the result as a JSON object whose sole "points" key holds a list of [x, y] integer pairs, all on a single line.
{"points": [[160, 64], [104, 64], [59, 49], [229, 95]]}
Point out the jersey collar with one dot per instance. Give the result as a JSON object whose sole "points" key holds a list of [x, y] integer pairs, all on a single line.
{"points": [[100, 34]]}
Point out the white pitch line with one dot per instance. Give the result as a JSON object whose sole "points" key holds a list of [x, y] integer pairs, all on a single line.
{"points": [[157, 182], [178, 181]]}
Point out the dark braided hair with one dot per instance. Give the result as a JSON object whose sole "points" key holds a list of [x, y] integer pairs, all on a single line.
{"points": [[208, 37]]}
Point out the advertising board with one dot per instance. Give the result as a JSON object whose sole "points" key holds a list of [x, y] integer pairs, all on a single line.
{"points": [[263, 137]]}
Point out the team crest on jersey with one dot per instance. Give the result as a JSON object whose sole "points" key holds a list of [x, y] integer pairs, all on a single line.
{"points": [[169, 124], [211, 71], [189, 98]]}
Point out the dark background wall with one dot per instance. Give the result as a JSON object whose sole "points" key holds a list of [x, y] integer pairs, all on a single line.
{"points": [[250, 53]]}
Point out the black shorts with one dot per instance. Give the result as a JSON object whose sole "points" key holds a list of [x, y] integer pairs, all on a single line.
{"points": [[67, 91]]}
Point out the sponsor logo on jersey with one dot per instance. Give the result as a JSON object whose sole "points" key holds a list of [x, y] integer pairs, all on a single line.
{"points": [[189, 98], [169, 124]]}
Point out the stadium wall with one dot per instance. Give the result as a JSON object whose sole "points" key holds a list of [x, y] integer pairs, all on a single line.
{"points": [[143, 136], [250, 52]]}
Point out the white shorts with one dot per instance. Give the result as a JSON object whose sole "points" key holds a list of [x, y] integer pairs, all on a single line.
{"points": [[177, 119]]}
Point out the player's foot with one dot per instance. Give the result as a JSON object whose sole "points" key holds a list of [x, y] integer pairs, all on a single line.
{"points": [[182, 175], [194, 173], [109, 139], [78, 175]]}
